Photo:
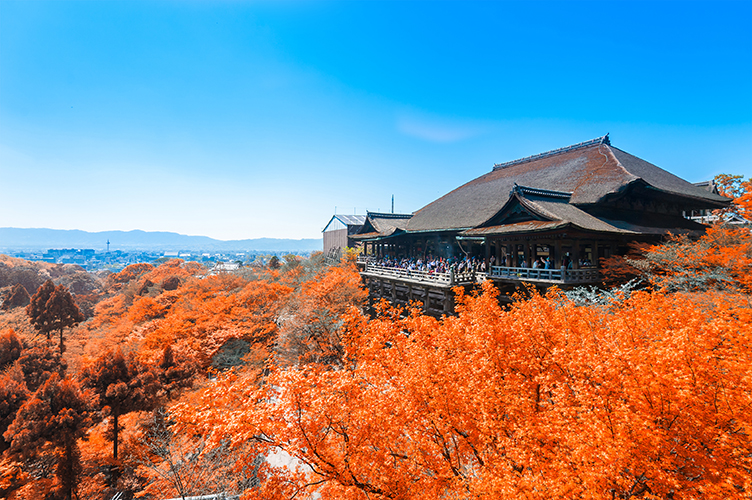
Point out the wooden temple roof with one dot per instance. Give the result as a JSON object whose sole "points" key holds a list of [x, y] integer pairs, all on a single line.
{"points": [[591, 173], [548, 210], [383, 225]]}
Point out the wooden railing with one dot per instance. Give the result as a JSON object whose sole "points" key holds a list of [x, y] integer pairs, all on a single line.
{"points": [[586, 275], [452, 278], [447, 279]]}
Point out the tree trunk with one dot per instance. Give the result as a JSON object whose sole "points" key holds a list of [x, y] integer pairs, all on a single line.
{"points": [[66, 469], [115, 434], [61, 370], [115, 470], [62, 347]]}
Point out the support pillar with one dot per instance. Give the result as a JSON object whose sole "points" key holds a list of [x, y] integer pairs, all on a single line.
{"points": [[488, 256], [529, 254], [596, 253]]}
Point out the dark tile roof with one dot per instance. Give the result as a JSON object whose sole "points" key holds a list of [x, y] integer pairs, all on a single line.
{"points": [[590, 171], [383, 225], [707, 186], [665, 181], [518, 227], [552, 210]]}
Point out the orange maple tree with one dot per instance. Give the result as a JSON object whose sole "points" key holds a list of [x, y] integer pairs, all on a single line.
{"points": [[721, 259], [735, 187], [649, 397], [121, 385], [312, 329], [56, 415], [52, 308]]}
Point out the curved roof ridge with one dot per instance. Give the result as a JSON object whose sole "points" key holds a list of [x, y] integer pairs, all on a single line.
{"points": [[599, 140], [382, 215], [548, 193], [661, 179], [538, 209]]}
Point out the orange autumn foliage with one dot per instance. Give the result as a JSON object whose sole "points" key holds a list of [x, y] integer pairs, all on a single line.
{"points": [[650, 397], [312, 329], [735, 187], [720, 259], [646, 397], [201, 316], [129, 273], [197, 318]]}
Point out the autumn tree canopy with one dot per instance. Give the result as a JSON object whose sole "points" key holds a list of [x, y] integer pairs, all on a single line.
{"points": [[57, 415], [547, 399], [735, 187], [312, 332], [13, 394], [10, 348], [18, 297], [639, 394], [121, 385], [53, 308], [38, 363]]}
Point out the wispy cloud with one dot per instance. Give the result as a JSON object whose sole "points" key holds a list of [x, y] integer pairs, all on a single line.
{"points": [[435, 129]]}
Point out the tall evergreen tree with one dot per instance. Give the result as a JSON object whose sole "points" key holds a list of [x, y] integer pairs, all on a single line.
{"points": [[53, 308], [121, 385], [10, 348], [17, 297], [56, 414]]}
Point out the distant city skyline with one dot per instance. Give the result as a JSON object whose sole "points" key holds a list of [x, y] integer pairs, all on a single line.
{"points": [[242, 120]]}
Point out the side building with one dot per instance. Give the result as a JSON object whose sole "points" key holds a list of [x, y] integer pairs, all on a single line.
{"points": [[339, 231], [545, 219]]}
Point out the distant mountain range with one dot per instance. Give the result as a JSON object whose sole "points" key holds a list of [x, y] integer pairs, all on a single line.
{"points": [[12, 238]]}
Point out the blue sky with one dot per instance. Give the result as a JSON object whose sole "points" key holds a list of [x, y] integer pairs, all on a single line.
{"points": [[256, 119]]}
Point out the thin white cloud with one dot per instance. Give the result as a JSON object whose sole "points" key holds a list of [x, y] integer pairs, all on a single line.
{"points": [[437, 129]]}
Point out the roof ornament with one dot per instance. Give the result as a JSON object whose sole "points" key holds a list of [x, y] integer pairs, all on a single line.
{"points": [[381, 215], [544, 193], [598, 141]]}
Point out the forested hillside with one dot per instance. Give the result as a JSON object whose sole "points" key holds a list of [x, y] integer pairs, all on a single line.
{"points": [[274, 383]]}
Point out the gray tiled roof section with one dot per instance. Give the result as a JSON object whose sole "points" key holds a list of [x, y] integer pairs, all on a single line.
{"points": [[659, 178], [351, 220]]}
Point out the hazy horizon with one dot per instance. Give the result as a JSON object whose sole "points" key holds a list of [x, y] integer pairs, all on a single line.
{"points": [[25, 239], [241, 120]]}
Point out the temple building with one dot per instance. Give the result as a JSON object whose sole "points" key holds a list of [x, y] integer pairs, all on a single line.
{"points": [[545, 219], [339, 231]]}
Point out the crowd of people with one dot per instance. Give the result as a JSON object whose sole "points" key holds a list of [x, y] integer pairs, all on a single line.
{"points": [[432, 264]]}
